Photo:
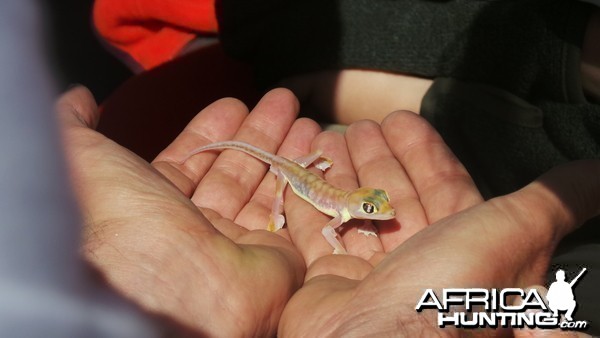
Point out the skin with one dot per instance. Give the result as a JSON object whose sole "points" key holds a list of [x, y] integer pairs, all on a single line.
{"points": [[152, 243], [205, 265], [340, 204], [350, 95]]}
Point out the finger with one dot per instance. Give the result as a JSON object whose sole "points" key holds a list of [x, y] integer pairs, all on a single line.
{"points": [[217, 122], [442, 183], [377, 167], [77, 107], [342, 175], [255, 214], [234, 176], [528, 223], [306, 222]]}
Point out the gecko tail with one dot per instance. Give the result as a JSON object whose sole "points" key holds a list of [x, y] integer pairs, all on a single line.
{"points": [[235, 145]]}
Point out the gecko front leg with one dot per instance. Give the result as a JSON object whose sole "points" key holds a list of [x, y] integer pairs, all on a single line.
{"points": [[331, 235], [367, 229]]}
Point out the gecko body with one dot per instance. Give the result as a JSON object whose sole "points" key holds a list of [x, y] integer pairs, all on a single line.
{"points": [[342, 205]]}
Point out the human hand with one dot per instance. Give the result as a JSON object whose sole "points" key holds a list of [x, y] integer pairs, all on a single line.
{"points": [[156, 268], [210, 272], [465, 242]]}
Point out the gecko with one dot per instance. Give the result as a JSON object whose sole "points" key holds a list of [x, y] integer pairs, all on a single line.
{"points": [[342, 205]]}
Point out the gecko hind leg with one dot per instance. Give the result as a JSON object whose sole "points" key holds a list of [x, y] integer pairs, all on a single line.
{"points": [[322, 163], [276, 219], [331, 236]]}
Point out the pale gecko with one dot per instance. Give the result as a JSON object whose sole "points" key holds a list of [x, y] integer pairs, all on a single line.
{"points": [[362, 203]]}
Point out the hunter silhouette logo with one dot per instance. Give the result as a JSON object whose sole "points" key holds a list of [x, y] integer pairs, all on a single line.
{"points": [[560, 295], [493, 308]]}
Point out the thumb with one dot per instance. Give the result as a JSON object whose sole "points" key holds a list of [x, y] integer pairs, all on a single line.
{"points": [[77, 107]]}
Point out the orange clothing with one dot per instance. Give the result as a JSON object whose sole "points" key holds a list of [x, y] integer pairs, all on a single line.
{"points": [[152, 32]]}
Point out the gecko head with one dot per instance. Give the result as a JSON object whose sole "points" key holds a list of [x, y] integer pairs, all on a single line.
{"points": [[369, 203]]}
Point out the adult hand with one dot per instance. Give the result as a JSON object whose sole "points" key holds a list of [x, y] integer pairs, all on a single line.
{"points": [[464, 242], [211, 272]]}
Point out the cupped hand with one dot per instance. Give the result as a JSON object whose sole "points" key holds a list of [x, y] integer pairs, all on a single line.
{"points": [[182, 240], [444, 235]]}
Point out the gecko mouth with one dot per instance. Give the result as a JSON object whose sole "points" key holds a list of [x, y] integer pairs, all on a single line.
{"points": [[383, 217]]}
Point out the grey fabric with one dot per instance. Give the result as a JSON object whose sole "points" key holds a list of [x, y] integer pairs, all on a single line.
{"points": [[506, 142], [522, 46]]}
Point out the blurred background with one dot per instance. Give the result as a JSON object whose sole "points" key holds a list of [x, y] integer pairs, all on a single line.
{"points": [[76, 54]]}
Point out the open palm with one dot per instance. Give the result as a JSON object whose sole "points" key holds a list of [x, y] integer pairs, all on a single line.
{"points": [[185, 241], [444, 235], [208, 271]]}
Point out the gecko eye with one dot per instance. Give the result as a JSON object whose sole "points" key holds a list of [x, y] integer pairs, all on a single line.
{"points": [[369, 208]]}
